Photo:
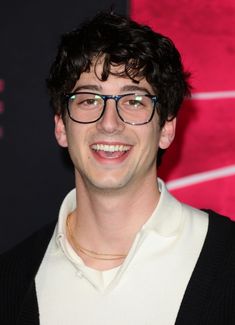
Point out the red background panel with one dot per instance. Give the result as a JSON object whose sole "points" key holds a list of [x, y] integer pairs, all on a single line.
{"points": [[216, 194], [205, 140], [204, 33]]}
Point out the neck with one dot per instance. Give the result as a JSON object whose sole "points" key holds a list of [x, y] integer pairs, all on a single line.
{"points": [[108, 221]]}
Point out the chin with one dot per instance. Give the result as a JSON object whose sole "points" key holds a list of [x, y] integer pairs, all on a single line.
{"points": [[109, 184]]}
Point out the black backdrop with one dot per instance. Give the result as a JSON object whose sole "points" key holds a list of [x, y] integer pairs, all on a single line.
{"points": [[34, 176]]}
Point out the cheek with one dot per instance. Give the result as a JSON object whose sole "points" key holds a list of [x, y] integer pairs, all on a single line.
{"points": [[74, 146], [78, 142], [74, 134], [149, 142], [152, 136]]}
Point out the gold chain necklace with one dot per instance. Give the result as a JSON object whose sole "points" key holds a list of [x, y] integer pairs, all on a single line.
{"points": [[91, 253]]}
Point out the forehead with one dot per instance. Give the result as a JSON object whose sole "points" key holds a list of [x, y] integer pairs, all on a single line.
{"points": [[117, 81]]}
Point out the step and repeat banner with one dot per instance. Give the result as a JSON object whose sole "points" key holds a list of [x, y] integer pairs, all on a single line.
{"points": [[200, 166], [35, 173]]}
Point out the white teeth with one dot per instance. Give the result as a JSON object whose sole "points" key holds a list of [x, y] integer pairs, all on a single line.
{"points": [[110, 148]]}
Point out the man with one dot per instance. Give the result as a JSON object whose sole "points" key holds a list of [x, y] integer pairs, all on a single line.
{"points": [[124, 251]]}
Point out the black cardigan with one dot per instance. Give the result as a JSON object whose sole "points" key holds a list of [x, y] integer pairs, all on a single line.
{"points": [[208, 299]]}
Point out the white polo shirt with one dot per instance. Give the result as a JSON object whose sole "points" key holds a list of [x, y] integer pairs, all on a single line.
{"points": [[147, 289]]}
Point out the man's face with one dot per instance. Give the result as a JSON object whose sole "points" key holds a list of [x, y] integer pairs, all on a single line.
{"points": [[109, 154]]}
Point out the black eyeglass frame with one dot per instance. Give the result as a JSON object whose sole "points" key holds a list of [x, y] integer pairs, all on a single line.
{"points": [[154, 99]]}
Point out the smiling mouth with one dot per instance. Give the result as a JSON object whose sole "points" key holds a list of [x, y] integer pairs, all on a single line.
{"points": [[110, 152], [111, 148]]}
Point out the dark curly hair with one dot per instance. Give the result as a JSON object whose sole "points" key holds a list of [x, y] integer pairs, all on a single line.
{"points": [[120, 42]]}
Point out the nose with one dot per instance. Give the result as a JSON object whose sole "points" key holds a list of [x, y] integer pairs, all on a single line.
{"points": [[110, 121]]}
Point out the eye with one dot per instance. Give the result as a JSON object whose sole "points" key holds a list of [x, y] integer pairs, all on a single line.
{"points": [[90, 101], [132, 102], [86, 101], [135, 102]]}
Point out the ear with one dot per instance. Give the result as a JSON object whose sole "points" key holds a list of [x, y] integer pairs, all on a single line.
{"points": [[60, 131], [167, 134]]}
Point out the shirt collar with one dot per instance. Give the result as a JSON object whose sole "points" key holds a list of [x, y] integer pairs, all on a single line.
{"points": [[167, 219]]}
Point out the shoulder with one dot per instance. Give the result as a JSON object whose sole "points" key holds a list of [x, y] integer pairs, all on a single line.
{"points": [[220, 242], [212, 285], [217, 265], [28, 252], [18, 267], [219, 237], [219, 224], [221, 234]]}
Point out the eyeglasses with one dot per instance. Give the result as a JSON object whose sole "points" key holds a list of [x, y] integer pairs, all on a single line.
{"points": [[134, 109]]}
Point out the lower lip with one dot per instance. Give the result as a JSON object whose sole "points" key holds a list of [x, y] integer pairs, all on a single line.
{"points": [[110, 158]]}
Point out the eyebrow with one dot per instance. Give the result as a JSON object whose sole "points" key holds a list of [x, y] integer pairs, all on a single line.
{"points": [[134, 88], [122, 89], [87, 87]]}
